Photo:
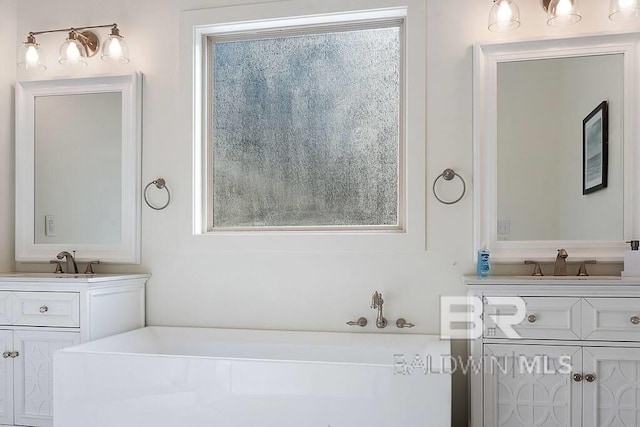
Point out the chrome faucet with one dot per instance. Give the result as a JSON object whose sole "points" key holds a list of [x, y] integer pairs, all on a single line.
{"points": [[72, 267], [376, 303], [560, 268]]}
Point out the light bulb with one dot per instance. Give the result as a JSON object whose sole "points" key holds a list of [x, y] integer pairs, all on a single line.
{"points": [[504, 16], [115, 49], [628, 7], [504, 13], [564, 8], [32, 59], [73, 53]]}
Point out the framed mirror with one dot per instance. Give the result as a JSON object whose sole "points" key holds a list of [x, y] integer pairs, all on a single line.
{"points": [[555, 156], [78, 157]]}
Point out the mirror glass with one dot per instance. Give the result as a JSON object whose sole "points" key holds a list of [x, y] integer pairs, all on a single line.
{"points": [[78, 155], [78, 168], [541, 105]]}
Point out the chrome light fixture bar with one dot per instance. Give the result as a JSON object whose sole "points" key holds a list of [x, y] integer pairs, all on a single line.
{"points": [[505, 15], [81, 43]]}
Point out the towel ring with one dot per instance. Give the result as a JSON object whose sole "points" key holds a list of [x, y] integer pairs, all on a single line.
{"points": [[160, 183], [448, 175]]}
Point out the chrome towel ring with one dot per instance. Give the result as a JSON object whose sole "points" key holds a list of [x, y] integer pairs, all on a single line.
{"points": [[160, 183], [448, 175]]}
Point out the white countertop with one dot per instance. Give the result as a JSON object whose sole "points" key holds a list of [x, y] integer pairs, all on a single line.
{"points": [[472, 280], [72, 278]]}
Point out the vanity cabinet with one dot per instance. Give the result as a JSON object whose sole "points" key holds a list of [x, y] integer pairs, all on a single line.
{"points": [[576, 362], [42, 313]]}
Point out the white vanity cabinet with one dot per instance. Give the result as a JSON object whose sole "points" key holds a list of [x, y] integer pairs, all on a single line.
{"points": [[576, 362], [42, 313]]}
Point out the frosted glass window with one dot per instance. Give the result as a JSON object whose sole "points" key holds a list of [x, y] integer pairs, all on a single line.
{"points": [[305, 130]]}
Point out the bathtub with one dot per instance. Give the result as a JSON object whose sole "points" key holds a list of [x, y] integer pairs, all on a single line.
{"points": [[193, 377]]}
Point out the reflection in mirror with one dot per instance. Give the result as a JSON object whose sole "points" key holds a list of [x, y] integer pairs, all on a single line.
{"points": [[541, 106], [78, 168]]}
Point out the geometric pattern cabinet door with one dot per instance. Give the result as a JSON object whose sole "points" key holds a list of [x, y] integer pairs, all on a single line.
{"points": [[6, 378], [531, 386], [33, 372], [612, 398]]}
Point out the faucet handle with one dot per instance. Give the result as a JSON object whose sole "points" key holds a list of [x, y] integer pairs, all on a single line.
{"points": [[362, 322], [58, 266], [537, 271], [402, 323], [89, 269], [582, 271]]}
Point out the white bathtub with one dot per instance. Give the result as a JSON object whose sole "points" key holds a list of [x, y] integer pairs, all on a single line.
{"points": [[192, 377]]}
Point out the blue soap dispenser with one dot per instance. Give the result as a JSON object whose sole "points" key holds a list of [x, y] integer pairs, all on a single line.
{"points": [[483, 266]]}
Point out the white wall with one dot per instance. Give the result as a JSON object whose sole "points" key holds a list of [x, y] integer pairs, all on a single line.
{"points": [[292, 290], [8, 42]]}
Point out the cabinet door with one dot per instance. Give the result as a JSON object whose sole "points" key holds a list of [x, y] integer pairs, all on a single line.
{"points": [[6, 378], [33, 374], [531, 385], [613, 397]]}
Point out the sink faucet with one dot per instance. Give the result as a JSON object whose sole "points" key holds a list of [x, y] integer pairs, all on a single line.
{"points": [[72, 267], [560, 268], [376, 303]]}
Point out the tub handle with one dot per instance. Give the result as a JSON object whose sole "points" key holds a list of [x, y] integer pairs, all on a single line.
{"points": [[402, 323], [362, 322]]}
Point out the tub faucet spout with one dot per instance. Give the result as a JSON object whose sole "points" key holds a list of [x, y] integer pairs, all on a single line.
{"points": [[376, 303], [72, 267]]}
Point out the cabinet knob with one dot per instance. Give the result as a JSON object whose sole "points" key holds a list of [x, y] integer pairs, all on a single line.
{"points": [[6, 354], [590, 378], [635, 320], [577, 377], [44, 309], [532, 318]]}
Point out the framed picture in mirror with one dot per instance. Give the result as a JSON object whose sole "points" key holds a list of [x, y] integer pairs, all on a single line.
{"points": [[595, 153]]}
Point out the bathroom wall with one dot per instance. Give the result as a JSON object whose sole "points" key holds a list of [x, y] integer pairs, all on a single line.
{"points": [[288, 290], [8, 14]]}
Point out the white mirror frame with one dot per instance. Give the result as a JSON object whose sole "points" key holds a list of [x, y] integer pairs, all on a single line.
{"points": [[486, 59], [128, 250]]}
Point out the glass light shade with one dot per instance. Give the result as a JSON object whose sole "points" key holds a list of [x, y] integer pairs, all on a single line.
{"points": [[115, 48], [72, 52], [623, 10], [504, 16], [563, 12], [30, 56]]}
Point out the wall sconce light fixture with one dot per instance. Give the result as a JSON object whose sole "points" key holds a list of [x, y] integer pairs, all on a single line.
{"points": [[505, 16], [81, 43]]}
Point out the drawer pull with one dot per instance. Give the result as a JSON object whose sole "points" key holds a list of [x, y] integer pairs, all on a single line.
{"points": [[635, 320], [590, 378], [532, 318], [44, 309], [577, 377], [6, 354]]}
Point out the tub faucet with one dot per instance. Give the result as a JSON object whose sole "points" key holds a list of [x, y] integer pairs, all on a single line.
{"points": [[560, 268], [72, 267], [376, 303]]}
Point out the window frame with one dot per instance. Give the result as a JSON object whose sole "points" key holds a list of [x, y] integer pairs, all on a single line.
{"points": [[197, 25], [292, 30]]}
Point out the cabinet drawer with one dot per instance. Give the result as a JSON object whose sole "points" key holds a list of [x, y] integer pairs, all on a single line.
{"points": [[545, 318], [611, 319], [60, 309]]}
